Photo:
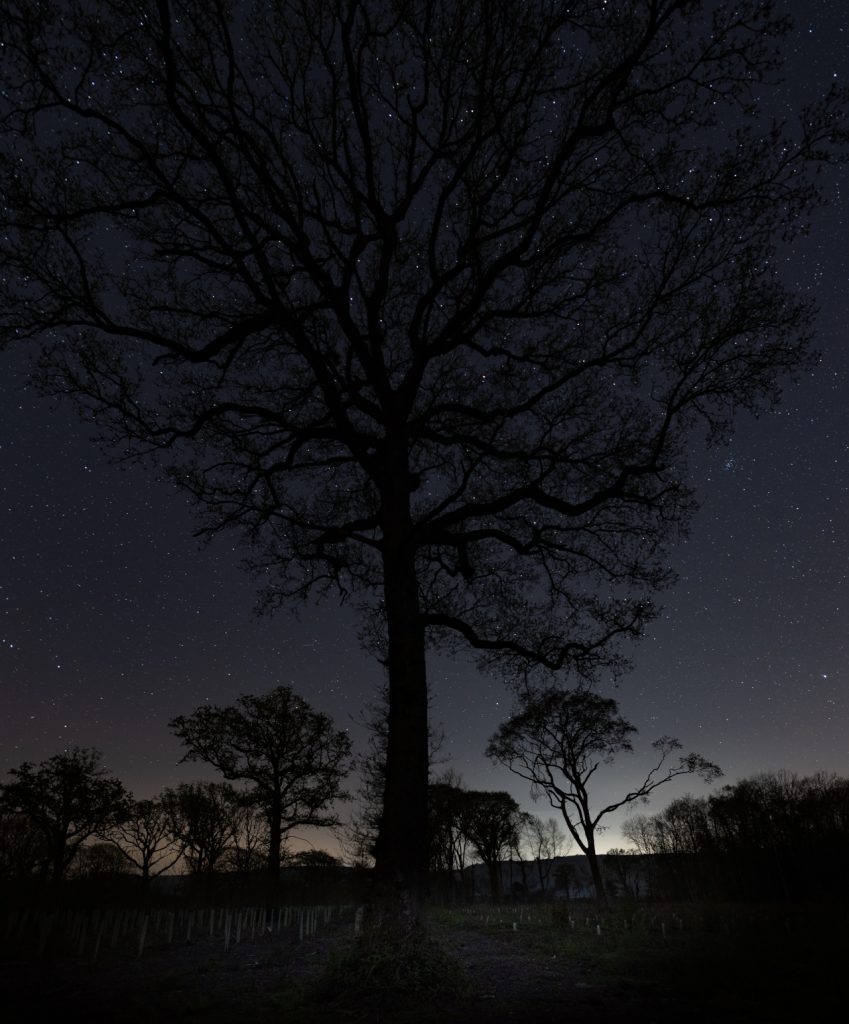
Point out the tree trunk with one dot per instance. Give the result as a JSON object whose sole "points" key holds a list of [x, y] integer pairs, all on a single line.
{"points": [[595, 871], [401, 847]]}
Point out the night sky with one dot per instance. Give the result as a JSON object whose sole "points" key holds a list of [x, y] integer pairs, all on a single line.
{"points": [[114, 620]]}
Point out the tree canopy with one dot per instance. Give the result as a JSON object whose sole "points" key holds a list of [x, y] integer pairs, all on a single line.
{"points": [[424, 297], [67, 799], [292, 756]]}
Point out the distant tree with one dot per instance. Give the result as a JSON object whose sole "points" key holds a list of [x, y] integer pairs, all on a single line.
{"points": [[250, 838], [544, 840], [204, 819], [565, 879], [293, 757], [319, 860], [100, 861], [683, 843], [557, 739], [774, 825], [23, 852], [491, 823], [448, 811], [684, 826], [626, 867], [754, 839], [638, 829], [68, 798], [426, 298], [145, 838]]}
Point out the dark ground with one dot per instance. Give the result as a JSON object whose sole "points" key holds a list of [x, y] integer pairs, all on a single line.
{"points": [[280, 979]]}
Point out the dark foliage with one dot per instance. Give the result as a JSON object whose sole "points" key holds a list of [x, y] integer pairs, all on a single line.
{"points": [[772, 836]]}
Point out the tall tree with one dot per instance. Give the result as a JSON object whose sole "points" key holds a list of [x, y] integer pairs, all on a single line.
{"points": [[68, 798], [558, 739], [293, 757], [425, 297]]}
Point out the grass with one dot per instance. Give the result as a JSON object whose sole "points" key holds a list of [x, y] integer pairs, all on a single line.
{"points": [[766, 962], [392, 967]]}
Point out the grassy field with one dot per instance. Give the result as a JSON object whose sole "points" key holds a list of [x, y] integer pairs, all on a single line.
{"points": [[757, 962]]}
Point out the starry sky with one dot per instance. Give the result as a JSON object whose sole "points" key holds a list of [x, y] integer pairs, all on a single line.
{"points": [[114, 620]]}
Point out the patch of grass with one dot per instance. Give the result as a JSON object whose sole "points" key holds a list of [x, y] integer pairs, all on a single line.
{"points": [[390, 966], [760, 960]]}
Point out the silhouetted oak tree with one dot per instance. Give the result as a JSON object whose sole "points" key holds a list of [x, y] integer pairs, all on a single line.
{"points": [[558, 739], [292, 756], [424, 297], [67, 799]]}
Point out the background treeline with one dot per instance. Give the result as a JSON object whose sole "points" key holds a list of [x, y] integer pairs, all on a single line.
{"points": [[772, 836], [284, 767]]}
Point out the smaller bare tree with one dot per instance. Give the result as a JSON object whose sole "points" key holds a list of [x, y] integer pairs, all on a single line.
{"points": [[203, 819], [557, 739], [544, 840], [250, 846], [448, 810], [146, 840]]}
